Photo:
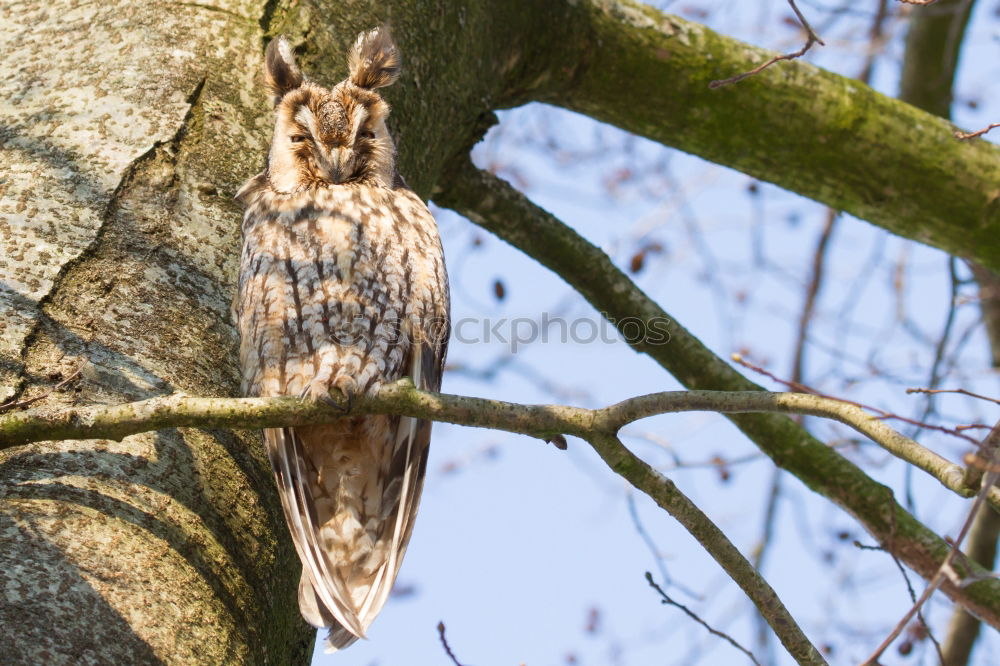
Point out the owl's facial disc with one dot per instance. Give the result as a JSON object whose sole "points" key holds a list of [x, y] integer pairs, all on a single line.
{"points": [[331, 137], [334, 137]]}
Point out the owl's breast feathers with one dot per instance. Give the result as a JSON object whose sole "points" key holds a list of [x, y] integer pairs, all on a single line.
{"points": [[343, 287], [335, 284]]}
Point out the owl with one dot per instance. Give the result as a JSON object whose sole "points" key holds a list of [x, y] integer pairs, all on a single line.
{"points": [[342, 288]]}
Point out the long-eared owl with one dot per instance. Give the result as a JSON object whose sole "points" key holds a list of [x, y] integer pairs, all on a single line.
{"points": [[342, 286]]}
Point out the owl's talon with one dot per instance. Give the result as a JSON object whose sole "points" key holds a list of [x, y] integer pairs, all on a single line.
{"points": [[320, 393], [348, 400], [347, 388], [328, 399], [344, 406]]}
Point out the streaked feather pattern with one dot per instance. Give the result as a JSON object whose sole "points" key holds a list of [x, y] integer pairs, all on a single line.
{"points": [[342, 286]]}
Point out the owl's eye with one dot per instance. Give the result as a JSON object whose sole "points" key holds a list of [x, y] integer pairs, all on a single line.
{"points": [[367, 134], [297, 138]]}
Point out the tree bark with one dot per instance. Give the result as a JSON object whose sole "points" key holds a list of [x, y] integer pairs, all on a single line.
{"points": [[127, 126]]}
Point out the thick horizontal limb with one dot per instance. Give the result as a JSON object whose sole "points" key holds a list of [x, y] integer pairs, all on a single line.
{"points": [[805, 129]]}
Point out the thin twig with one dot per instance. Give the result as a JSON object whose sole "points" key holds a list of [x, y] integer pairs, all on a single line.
{"points": [[666, 599], [447, 648], [812, 292], [940, 347], [811, 38], [909, 590], [21, 404], [959, 391], [918, 2], [882, 414], [930, 406], [972, 426], [971, 135], [876, 42], [633, 512]]}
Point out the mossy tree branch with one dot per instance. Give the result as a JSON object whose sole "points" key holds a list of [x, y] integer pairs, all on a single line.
{"points": [[498, 207], [807, 130]]}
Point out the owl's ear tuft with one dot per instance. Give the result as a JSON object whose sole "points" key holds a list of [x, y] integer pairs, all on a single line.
{"points": [[374, 60], [281, 74]]}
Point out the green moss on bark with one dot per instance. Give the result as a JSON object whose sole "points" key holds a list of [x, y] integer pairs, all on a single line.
{"points": [[804, 129]]}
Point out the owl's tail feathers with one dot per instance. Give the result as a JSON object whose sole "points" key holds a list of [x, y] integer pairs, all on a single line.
{"points": [[337, 639], [329, 604], [316, 614]]}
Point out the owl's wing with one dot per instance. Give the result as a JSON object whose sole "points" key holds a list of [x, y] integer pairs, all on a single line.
{"points": [[405, 478]]}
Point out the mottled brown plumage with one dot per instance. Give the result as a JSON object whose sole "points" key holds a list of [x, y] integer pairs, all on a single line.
{"points": [[342, 286]]}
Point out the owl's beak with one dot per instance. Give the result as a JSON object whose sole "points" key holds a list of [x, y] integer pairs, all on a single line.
{"points": [[338, 163]]}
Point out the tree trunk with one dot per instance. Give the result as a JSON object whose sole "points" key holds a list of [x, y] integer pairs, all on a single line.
{"points": [[127, 127]]}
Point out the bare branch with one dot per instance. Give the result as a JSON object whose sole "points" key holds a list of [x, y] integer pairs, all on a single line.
{"points": [[548, 422], [811, 38], [668, 497], [668, 600], [972, 135]]}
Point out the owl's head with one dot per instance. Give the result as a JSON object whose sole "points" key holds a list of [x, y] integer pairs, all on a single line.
{"points": [[333, 136]]}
